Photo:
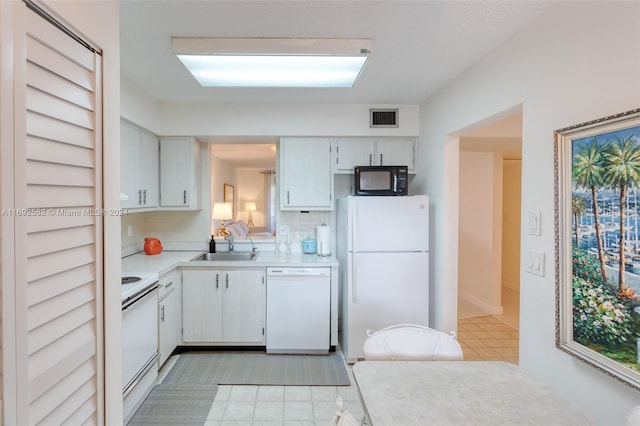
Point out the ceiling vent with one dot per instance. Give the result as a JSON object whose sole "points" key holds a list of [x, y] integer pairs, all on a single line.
{"points": [[383, 118]]}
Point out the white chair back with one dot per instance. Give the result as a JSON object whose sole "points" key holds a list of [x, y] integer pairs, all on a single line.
{"points": [[410, 342]]}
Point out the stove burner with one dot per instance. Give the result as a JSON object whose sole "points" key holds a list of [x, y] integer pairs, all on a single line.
{"points": [[129, 280]]}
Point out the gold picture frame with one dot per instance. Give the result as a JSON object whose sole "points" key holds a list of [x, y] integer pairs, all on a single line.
{"points": [[229, 197], [597, 221]]}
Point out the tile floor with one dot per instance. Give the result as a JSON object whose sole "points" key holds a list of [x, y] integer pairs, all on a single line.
{"points": [[490, 338], [487, 338], [282, 405]]}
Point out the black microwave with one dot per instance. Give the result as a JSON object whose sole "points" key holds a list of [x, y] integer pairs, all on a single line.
{"points": [[381, 180]]}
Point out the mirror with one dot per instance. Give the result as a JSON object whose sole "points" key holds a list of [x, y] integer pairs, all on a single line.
{"points": [[248, 164]]}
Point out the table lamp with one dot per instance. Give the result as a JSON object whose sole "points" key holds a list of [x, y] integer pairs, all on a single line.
{"points": [[222, 212], [250, 206]]}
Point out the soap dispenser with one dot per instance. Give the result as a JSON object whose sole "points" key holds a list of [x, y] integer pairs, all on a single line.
{"points": [[212, 245]]}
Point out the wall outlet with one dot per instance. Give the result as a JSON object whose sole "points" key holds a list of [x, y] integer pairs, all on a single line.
{"points": [[283, 232], [129, 230]]}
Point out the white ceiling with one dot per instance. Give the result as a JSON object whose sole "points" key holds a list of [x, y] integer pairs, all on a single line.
{"points": [[417, 46]]}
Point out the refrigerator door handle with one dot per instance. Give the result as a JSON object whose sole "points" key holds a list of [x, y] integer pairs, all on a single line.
{"points": [[354, 277], [354, 225], [354, 280]]}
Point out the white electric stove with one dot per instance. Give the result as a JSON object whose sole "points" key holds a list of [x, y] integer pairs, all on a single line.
{"points": [[139, 338]]}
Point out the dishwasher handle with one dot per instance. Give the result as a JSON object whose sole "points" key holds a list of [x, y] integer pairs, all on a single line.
{"points": [[292, 272]]}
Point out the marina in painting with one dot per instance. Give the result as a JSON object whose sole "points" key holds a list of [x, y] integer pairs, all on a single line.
{"points": [[609, 161], [605, 222], [609, 212]]}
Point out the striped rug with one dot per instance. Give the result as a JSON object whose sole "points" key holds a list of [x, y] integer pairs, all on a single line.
{"points": [[170, 404], [258, 369]]}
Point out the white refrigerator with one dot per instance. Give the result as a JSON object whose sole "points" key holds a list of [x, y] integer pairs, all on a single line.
{"points": [[383, 250]]}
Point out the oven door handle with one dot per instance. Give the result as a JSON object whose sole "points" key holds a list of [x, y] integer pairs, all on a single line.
{"points": [[136, 297], [150, 363]]}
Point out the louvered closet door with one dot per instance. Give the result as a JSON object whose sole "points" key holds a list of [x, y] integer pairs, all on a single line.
{"points": [[58, 238]]}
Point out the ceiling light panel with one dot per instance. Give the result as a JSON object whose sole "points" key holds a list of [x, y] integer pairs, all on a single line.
{"points": [[268, 62]]}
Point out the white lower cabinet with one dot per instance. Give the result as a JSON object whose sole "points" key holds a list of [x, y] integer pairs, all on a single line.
{"points": [[169, 324], [223, 306]]}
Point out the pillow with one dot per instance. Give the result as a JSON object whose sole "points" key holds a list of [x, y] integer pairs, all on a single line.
{"points": [[242, 227], [233, 230]]}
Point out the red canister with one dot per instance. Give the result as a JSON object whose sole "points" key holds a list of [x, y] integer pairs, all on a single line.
{"points": [[152, 246]]}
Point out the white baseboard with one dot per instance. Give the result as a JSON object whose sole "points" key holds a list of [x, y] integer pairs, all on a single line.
{"points": [[481, 304]]}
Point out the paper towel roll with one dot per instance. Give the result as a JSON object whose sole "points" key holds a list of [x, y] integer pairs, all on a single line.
{"points": [[323, 238]]}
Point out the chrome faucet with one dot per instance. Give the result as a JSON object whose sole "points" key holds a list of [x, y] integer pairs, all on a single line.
{"points": [[230, 239], [253, 246]]}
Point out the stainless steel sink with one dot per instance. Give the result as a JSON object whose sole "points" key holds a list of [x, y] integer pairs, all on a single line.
{"points": [[226, 256]]}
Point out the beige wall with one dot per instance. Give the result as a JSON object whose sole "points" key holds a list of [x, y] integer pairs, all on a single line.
{"points": [[251, 188], [479, 227]]}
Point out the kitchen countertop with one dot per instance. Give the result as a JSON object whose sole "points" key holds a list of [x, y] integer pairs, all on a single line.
{"points": [[168, 260]]}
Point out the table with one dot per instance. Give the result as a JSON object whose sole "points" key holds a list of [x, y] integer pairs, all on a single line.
{"points": [[457, 393]]}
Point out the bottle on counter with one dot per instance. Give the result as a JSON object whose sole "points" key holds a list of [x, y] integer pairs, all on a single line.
{"points": [[212, 245]]}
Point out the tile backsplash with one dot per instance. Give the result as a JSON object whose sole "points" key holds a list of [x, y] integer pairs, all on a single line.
{"points": [[302, 224], [173, 228], [176, 228]]}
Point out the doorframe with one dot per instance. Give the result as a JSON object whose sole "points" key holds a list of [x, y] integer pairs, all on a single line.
{"points": [[451, 185]]}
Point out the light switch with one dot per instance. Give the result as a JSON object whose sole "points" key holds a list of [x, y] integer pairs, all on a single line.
{"points": [[534, 223], [534, 262]]}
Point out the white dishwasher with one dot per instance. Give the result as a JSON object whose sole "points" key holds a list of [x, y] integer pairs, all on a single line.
{"points": [[298, 310]]}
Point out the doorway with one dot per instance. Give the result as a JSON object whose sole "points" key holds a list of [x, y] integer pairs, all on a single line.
{"points": [[490, 164]]}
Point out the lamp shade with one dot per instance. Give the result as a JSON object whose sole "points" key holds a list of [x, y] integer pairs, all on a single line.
{"points": [[250, 206], [222, 211]]}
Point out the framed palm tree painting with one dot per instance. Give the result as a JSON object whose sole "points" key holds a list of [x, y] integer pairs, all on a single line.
{"points": [[597, 238]]}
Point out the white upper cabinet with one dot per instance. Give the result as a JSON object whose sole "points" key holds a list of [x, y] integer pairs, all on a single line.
{"points": [[150, 173], [139, 176], [179, 173], [394, 151], [351, 152], [376, 151], [305, 174]]}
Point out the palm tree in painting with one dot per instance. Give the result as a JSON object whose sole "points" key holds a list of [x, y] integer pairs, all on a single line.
{"points": [[622, 171], [588, 173], [578, 208]]}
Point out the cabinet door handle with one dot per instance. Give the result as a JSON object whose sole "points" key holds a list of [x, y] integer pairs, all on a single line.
{"points": [[167, 285], [381, 159], [162, 313], [217, 281], [184, 196], [288, 202], [227, 279], [144, 197], [371, 159], [139, 197]]}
